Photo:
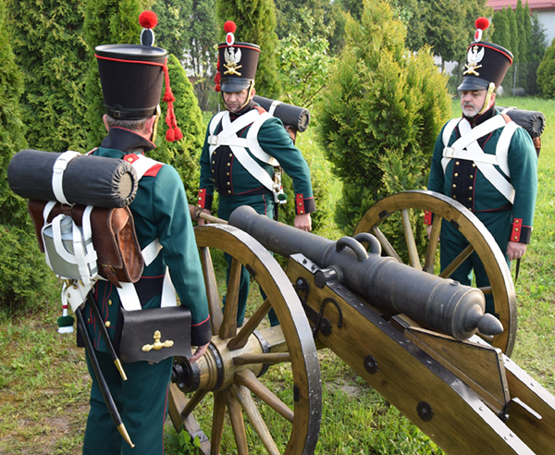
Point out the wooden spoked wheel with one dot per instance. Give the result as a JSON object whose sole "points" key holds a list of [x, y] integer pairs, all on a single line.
{"points": [[230, 376], [480, 239]]}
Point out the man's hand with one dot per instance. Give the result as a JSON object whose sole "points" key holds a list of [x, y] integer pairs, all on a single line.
{"points": [[303, 222], [515, 250], [202, 221], [199, 353]]}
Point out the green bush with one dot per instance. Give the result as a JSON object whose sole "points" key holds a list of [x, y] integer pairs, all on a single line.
{"points": [[25, 280], [546, 73], [381, 113]]}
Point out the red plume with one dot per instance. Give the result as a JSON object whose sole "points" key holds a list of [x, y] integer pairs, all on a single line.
{"points": [[230, 27], [482, 23], [148, 19]]}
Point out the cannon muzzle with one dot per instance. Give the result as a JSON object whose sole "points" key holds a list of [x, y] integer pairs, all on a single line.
{"points": [[442, 305]]}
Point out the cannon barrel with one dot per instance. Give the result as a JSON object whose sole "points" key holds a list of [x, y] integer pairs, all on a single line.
{"points": [[443, 305]]}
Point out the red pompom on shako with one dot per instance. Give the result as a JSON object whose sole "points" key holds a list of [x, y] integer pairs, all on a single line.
{"points": [[148, 19], [229, 28], [482, 23]]}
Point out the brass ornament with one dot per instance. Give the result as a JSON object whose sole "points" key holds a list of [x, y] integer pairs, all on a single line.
{"points": [[474, 57], [232, 60], [157, 344]]}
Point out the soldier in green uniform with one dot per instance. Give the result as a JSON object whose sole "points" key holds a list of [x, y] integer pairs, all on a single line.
{"points": [[131, 78], [487, 163], [242, 148]]}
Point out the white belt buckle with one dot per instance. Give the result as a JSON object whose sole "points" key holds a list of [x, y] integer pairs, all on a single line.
{"points": [[448, 152]]}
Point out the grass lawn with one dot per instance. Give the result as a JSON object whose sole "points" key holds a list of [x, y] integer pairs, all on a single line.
{"points": [[44, 382]]}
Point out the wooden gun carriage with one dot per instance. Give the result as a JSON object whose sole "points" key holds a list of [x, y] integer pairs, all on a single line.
{"points": [[422, 341]]}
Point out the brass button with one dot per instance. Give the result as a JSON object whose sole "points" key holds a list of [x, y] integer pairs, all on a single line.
{"points": [[109, 302], [471, 176], [228, 164], [454, 186], [213, 171], [473, 164], [456, 174], [227, 173], [457, 163], [516, 229], [469, 198], [213, 162], [231, 155], [89, 320], [229, 191], [228, 183], [107, 323], [454, 196], [470, 188]]}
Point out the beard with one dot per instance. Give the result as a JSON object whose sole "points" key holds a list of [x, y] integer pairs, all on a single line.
{"points": [[470, 110]]}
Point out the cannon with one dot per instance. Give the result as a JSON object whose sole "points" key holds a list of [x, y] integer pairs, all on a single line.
{"points": [[420, 339]]}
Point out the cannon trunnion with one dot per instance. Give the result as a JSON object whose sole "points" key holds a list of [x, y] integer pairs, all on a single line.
{"points": [[413, 336]]}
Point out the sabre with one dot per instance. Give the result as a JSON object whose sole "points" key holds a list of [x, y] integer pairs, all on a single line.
{"points": [[114, 414]]}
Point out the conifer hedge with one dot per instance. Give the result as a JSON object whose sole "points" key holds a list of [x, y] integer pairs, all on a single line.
{"points": [[381, 114], [47, 39], [24, 277], [546, 73]]}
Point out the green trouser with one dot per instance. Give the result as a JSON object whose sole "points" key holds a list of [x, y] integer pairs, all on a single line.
{"points": [[263, 205], [142, 405], [453, 243]]}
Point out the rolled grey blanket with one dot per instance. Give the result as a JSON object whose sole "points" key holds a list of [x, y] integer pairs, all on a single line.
{"points": [[297, 117], [87, 179], [532, 121]]}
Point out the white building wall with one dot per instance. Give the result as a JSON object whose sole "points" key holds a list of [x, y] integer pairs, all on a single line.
{"points": [[547, 19]]}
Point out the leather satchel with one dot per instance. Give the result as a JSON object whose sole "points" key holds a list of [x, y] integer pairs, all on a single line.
{"points": [[155, 334], [113, 236]]}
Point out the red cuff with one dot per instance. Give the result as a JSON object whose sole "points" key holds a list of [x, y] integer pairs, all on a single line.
{"points": [[299, 204], [517, 230], [427, 217], [202, 198]]}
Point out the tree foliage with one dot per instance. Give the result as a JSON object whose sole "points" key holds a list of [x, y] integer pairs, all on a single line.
{"points": [[256, 23], [306, 19], [303, 70], [47, 39], [537, 51], [175, 20], [381, 112], [183, 154], [546, 73], [106, 22], [23, 273], [445, 29]]}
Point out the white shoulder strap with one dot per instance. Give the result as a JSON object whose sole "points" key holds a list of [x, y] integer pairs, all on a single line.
{"points": [[128, 293], [467, 147], [143, 164], [448, 130]]}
